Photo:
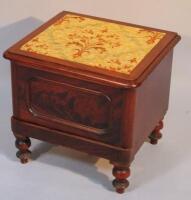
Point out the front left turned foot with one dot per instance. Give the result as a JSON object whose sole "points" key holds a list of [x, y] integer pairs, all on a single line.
{"points": [[23, 145], [120, 182]]}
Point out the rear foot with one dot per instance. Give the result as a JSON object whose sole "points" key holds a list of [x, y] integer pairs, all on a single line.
{"points": [[156, 134]]}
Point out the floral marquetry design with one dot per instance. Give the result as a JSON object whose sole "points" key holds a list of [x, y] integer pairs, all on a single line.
{"points": [[88, 40], [95, 43], [150, 36]]}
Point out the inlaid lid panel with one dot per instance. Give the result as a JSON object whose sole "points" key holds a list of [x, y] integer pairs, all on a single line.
{"points": [[90, 48], [95, 43]]}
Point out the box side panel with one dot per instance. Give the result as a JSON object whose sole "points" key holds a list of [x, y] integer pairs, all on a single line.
{"points": [[152, 98]]}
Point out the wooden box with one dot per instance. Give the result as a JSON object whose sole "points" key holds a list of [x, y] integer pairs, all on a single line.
{"points": [[92, 84]]}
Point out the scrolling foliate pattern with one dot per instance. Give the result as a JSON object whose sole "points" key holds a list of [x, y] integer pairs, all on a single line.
{"points": [[96, 43]]}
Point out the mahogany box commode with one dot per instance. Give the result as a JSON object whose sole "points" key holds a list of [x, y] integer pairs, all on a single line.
{"points": [[92, 84]]}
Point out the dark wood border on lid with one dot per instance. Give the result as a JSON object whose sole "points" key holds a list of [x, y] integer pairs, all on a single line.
{"points": [[86, 72]]}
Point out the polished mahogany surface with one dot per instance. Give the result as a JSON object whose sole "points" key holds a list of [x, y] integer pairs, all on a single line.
{"points": [[76, 99]]}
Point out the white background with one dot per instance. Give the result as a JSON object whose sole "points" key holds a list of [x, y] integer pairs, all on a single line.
{"points": [[158, 172]]}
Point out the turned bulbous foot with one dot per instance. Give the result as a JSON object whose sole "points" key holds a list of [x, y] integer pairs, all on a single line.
{"points": [[156, 134], [120, 183], [23, 145]]}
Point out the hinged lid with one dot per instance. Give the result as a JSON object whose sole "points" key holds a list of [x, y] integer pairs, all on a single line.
{"points": [[94, 48]]}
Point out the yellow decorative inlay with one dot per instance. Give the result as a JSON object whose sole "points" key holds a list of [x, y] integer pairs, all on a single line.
{"points": [[95, 43]]}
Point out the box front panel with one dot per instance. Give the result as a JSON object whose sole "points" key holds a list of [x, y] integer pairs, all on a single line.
{"points": [[67, 104]]}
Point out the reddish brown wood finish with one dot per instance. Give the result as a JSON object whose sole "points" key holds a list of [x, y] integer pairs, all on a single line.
{"points": [[151, 101], [120, 183], [39, 101], [156, 134], [23, 145], [103, 113]]}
